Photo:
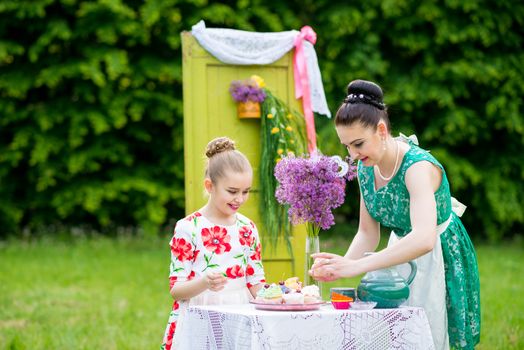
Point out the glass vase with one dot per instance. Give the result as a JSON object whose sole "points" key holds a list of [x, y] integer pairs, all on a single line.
{"points": [[312, 247]]}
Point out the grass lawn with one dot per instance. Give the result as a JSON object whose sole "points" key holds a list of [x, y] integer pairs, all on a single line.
{"points": [[113, 293]]}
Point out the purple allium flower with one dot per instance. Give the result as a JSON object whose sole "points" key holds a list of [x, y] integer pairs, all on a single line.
{"points": [[245, 90], [311, 187], [352, 172]]}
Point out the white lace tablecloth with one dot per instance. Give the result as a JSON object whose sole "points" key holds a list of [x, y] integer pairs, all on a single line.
{"points": [[244, 327]]}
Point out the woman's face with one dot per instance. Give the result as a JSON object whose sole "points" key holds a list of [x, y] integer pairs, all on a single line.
{"points": [[229, 192], [362, 142]]}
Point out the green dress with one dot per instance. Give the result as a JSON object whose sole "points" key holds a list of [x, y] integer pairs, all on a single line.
{"points": [[389, 205]]}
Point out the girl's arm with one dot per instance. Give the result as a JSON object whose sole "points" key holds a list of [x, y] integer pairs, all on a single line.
{"points": [[254, 289], [182, 259], [256, 276], [214, 281]]}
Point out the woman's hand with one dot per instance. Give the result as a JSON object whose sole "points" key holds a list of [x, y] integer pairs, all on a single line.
{"points": [[330, 267], [215, 281]]}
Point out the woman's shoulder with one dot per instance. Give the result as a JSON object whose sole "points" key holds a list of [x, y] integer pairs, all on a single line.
{"points": [[416, 154]]}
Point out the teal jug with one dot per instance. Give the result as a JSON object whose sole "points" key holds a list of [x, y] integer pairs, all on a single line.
{"points": [[386, 286]]}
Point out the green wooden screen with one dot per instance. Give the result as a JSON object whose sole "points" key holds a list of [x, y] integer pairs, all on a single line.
{"points": [[209, 112]]}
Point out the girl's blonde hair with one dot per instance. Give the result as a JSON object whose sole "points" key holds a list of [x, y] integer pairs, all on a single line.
{"points": [[223, 156]]}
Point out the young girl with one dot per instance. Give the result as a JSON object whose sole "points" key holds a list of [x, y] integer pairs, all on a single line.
{"points": [[405, 188], [215, 251]]}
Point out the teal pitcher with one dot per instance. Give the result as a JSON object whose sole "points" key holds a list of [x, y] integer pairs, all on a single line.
{"points": [[386, 286]]}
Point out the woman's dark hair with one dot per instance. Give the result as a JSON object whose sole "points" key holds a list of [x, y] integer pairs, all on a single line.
{"points": [[363, 104]]}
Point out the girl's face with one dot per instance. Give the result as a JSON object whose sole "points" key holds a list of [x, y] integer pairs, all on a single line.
{"points": [[228, 194], [363, 143]]}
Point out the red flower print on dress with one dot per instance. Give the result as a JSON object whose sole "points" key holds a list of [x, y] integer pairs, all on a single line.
{"points": [[170, 335], [192, 216], [258, 251], [245, 236], [234, 271], [195, 255], [250, 270], [181, 249], [191, 276], [172, 281], [216, 239]]}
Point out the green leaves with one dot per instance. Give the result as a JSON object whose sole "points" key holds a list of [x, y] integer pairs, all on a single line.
{"points": [[89, 114], [91, 99]]}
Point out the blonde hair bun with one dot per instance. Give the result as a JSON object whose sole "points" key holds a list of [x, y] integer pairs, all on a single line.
{"points": [[219, 145]]}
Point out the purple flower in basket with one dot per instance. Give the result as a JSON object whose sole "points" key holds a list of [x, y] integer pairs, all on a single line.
{"points": [[246, 90], [312, 187]]}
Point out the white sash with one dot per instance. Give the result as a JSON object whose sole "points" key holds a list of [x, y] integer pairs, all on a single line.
{"points": [[428, 289]]}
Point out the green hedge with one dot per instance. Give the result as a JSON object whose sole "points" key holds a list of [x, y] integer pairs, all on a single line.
{"points": [[91, 100]]}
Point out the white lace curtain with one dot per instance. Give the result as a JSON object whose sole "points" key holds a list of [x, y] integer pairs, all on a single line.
{"points": [[248, 48]]}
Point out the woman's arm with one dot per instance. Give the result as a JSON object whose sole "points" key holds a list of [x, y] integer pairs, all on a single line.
{"points": [[367, 236], [365, 240], [422, 180]]}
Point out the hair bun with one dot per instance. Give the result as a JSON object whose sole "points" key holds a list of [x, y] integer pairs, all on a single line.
{"points": [[367, 88], [219, 145]]}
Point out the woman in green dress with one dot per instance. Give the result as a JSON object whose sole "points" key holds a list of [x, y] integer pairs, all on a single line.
{"points": [[404, 188]]}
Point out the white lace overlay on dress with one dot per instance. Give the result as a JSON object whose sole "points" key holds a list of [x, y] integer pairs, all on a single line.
{"points": [[247, 48]]}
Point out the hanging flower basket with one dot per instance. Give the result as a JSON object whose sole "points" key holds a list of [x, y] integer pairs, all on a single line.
{"points": [[248, 94], [248, 109]]}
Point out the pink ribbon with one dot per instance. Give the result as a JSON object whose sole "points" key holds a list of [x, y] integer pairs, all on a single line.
{"points": [[302, 83]]}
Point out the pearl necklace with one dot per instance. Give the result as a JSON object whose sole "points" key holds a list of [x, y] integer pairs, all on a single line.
{"points": [[394, 167]]}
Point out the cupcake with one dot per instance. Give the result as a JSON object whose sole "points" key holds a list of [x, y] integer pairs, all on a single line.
{"points": [[293, 298], [293, 283], [311, 294], [270, 294]]}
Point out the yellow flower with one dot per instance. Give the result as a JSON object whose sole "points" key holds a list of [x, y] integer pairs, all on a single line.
{"points": [[289, 128], [270, 116], [260, 82], [280, 151], [277, 160], [289, 116], [275, 130]]}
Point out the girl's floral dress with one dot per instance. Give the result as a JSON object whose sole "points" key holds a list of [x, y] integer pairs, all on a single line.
{"points": [[199, 246]]}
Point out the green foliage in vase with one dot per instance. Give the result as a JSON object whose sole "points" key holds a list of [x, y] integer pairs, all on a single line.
{"points": [[282, 132]]}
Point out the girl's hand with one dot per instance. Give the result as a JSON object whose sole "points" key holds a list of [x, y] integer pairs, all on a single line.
{"points": [[330, 267], [215, 281]]}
